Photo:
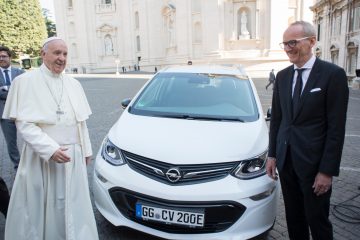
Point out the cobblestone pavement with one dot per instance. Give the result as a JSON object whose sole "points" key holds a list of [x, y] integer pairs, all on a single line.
{"points": [[105, 96]]}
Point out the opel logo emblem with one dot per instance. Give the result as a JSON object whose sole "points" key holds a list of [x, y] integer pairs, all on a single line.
{"points": [[173, 175]]}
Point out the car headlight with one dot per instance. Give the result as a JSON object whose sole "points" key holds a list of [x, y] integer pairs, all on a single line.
{"points": [[251, 168], [111, 153]]}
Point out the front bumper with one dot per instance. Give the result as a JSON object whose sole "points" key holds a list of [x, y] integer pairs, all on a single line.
{"points": [[220, 215], [230, 212]]}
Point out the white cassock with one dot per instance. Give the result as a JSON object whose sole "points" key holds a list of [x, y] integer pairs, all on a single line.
{"points": [[49, 200]]}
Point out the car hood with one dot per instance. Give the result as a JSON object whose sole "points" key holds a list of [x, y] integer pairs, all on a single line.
{"points": [[182, 141]]}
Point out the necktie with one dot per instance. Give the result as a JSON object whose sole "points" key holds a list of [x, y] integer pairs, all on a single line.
{"points": [[7, 78], [297, 90]]}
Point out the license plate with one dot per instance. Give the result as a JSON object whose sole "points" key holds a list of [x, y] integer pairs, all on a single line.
{"points": [[170, 216]]}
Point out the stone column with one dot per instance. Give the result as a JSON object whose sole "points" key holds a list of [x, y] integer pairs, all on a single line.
{"points": [[221, 24], [277, 25]]}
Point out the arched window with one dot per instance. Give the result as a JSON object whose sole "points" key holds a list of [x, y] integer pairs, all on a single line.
{"points": [[334, 54], [137, 20], [73, 52], [318, 52], [352, 51], [197, 33], [108, 44], [70, 3], [138, 43], [356, 18], [319, 28], [72, 31], [196, 6], [336, 24]]}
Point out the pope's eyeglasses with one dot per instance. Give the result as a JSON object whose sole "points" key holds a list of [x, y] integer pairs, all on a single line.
{"points": [[292, 43]]}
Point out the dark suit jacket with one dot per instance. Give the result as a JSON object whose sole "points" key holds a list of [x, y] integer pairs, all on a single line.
{"points": [[316, 132], [3, 94]]}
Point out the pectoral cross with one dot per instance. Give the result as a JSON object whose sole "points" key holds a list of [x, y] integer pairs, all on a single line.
{"points": [[59, 112]]}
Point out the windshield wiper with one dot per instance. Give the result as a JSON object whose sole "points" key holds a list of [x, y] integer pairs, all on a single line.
{"points": [[199, 117], [216, 118]]}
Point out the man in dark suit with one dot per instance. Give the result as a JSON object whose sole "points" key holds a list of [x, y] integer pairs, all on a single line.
{"points": [[307, 132], [271, 79], [7, 74]]}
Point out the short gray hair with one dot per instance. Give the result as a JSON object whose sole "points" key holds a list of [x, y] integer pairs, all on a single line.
{"points": [[308, 28]]}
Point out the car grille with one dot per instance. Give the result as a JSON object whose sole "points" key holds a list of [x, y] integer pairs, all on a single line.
{"points": [[178, 174], [219, 215]]}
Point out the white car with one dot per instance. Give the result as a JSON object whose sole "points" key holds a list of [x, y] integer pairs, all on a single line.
{"points": [[186, 159]]}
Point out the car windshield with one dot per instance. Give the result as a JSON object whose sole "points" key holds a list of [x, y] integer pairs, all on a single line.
{"points": [[197, 96]]}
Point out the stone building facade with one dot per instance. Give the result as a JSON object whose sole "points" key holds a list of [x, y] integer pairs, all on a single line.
{"points": [[338, 26], [104, 35]]}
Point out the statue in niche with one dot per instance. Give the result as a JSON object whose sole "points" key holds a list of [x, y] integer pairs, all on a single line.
{"points": [[244, 33], [171, 29], [108, 45]]}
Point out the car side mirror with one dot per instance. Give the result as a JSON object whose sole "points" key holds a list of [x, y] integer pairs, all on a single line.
{"points": [[268, 115], [125, 102]]}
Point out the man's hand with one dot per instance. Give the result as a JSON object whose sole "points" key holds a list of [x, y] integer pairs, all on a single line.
{"points": [[322, 183], [60, 155], [271, 168]]}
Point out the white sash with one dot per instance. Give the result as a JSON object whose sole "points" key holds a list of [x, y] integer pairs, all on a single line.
{"points": [[62, 134]]}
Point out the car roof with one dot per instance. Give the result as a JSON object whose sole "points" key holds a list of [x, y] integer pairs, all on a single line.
{"points": [[208, 68]]}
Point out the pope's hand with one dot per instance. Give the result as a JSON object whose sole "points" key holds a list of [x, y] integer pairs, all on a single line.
{"points": [[60, 155]]}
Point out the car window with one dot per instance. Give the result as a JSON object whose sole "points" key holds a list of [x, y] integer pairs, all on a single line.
{"points": [[193, 95]]}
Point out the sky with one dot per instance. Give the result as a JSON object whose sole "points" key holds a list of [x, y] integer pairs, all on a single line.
{"points": [[48, 4]]}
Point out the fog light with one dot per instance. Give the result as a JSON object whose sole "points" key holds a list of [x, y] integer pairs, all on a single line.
{"points": [[100, 177], [263, 195]]}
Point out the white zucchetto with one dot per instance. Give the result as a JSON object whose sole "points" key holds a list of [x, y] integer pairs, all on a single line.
{"points": [[50, 39]]}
